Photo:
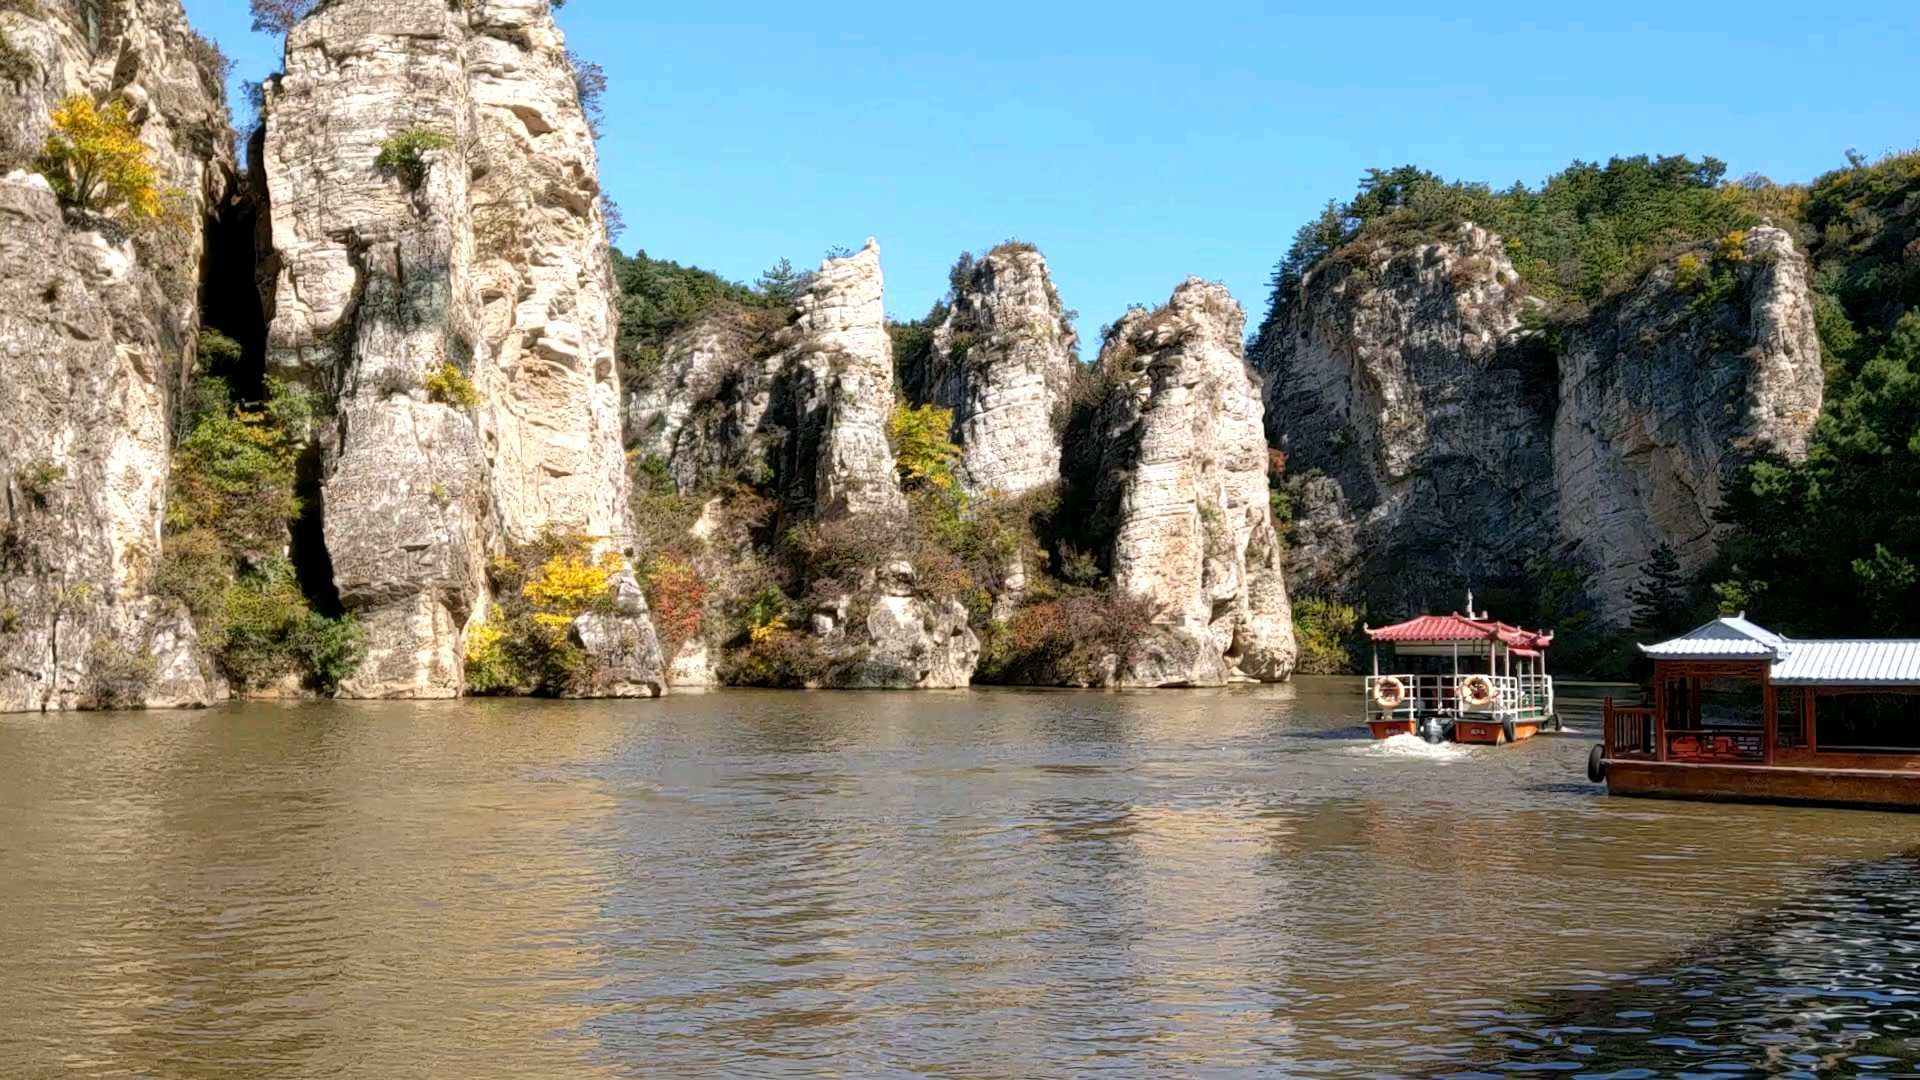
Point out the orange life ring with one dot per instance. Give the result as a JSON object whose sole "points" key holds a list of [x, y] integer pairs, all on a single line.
{"points": [[1389, 692], [1477, 691]]}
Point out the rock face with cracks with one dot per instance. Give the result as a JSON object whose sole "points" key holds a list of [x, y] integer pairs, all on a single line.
{"points": [[97, 330], [1184, 486], [1437, 444], [800, 410], [1002, 359], [1660, 405], [440, 275]]}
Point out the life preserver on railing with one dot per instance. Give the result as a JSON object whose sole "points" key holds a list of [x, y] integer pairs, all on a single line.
{"points": [[1477, 691], [1389, 692]]}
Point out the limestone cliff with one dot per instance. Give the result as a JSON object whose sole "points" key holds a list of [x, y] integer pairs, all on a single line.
{"points": [[1183, 479], [97, 326], [1403, 394], [441, 277], [1435, 442], [838, 366], [794, 410], [1663, 397], [1002, 358]]}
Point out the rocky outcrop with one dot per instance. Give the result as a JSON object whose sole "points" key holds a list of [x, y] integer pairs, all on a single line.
{"points": [[1400, 387], [97, 326], [1002, 358], [837, 367], [438, 247], [1435, 444], [797, 406], [1184, 485], [798, 409], [890, 634], [1663, 399]]}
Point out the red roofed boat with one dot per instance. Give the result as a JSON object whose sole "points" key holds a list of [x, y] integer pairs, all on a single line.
{"points": [[1461, 677]]}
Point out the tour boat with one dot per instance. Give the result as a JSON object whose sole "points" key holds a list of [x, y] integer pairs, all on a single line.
{"points": [[1460, 677], [1741, 713]]}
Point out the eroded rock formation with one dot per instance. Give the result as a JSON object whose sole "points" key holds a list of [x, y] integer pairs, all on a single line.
{"points": [[798, 408], [471, 254], [1660, 404], [1184, 485], [1401, 389], [97, 329], [1002, 359], [1436, 444]]}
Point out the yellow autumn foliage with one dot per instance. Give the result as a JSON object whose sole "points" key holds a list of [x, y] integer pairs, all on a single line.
{"points": [[920, 438], [94, 159], [570, 585], [1733, 246]]}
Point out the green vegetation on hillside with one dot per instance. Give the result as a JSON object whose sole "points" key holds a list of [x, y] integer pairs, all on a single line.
{"points": [[658, 299], [225, 552], [1587, 231], [1832, 545]]}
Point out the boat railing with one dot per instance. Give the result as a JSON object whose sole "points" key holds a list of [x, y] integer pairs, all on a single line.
{"points": [[1631, 731], [1515, 697]]}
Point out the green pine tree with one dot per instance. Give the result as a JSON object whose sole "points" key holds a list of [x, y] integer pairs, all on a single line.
{"points": [[1660, 605]]}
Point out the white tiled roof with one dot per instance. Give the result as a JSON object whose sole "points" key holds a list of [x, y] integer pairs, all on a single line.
{"points": [[1859, 663], [1721, 639], [1798, 663]]}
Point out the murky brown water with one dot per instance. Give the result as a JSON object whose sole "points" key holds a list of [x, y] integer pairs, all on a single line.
{"points": [[995, 884]]}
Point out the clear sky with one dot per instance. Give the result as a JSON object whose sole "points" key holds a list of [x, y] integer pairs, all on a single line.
{"points": [[1137, 144]]}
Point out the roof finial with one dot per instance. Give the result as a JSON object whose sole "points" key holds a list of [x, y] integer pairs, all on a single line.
{"points": [[1470, 613]]}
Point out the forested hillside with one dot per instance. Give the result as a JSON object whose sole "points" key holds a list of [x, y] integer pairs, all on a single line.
{"points": [[1405, 358], [1831, 546]]}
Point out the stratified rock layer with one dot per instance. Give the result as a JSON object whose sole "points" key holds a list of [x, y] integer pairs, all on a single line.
{"points": [[1436, 446], [1002, 359], [487, 258], [1400, 385], [1184, 478], [1660, 405], [96, 332]]}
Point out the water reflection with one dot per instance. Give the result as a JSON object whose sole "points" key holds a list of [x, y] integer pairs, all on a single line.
{"points": [[989, 884], [1828, 985]]}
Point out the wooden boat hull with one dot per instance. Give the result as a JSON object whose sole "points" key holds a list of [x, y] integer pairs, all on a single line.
{"points": [[1888, 789], [1490, 733]]}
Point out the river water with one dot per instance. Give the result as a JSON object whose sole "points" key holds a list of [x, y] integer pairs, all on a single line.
{"points": [[984, 884]]}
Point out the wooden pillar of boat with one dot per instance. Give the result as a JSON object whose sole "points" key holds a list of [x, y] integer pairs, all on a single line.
{"points": [[1659, 712], [1770, 704]]}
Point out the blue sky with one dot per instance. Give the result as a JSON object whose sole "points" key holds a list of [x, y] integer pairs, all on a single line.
{"points": [[1139, 143]]}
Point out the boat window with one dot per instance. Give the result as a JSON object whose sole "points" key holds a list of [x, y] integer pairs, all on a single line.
{"points": [[1732, 703], [1790, 727], [1867, 723]]}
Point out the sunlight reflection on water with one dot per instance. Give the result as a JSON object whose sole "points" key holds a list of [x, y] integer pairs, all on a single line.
{"points": [[1003, 883]]}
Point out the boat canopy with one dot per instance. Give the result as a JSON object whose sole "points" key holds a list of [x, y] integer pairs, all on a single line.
{"points": [[1443, 629], [1861, 663]]}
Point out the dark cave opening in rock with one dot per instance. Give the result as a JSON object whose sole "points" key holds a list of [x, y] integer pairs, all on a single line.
{"points": [[230, 302], [311, 560], [230, 298]]}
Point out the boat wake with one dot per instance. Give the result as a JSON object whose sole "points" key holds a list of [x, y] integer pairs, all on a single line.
{"points": [[1414, 746]]}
